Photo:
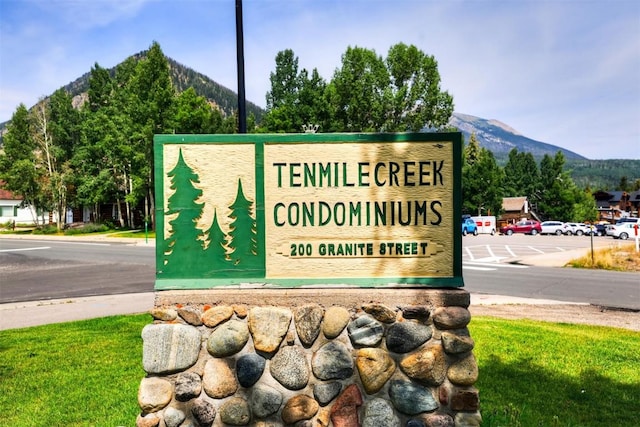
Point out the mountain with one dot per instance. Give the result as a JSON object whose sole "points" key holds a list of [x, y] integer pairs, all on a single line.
{"points": [[182, 78], [500, 138]]}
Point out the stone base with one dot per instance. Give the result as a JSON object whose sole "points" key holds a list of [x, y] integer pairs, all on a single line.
{"points": [[309, 357]]}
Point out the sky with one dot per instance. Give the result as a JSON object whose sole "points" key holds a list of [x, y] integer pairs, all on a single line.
{"points": [[564, 72]]}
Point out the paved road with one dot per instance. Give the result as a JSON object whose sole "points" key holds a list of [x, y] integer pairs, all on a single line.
{"points": [[505, 249], [51, 268]]}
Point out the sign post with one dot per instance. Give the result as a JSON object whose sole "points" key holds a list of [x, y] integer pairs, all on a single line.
{"points": [[365, 227]]}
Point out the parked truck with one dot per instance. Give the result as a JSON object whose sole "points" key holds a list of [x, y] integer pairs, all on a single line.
{"points": [[486, 224]]}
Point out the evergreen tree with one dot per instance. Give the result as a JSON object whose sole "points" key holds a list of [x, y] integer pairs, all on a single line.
{"points": [[184, 247], [559, 196], [151, 101], [243, 232], [521, 176], [482, 184]]}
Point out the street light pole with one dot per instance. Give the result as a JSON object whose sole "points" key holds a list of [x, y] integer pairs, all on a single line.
{"points": [[242, 110]]}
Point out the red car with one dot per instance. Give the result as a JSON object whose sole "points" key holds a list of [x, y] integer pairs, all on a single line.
{"points": [[527, 226]]}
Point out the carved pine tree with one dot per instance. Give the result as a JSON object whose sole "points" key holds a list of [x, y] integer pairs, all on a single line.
{"points": [[184, 247]]}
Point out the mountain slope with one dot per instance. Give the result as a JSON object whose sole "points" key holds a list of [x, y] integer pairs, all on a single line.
{"points": [[182, 78], [499, 138]]}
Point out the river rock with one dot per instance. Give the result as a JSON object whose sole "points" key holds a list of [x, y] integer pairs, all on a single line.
{"points": [[451, 317], [235, 412], [403, 337], [228, 339], [380, 312], [429, 365], [147, 420], [456, 344], [344, 412], [419, 312], [203, 411], [414, 422], [154, 394], [365, 331], [289, 368], [465, 419], [335, 320], [249, 369], [375, 367], [188, 386], [438, 420], [466, 400], [379, 412], [307, 319], [216, 315], [333, 361], [219, 380], [326, 392], [268, 326], [169, 348], [191, 316], [164, 314], [173, 417], [463, 371], [265, 400], [299, 408], [411, 399]]}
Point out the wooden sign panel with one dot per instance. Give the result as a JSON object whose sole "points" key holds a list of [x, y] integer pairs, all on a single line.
{"points": [[308, 210]]}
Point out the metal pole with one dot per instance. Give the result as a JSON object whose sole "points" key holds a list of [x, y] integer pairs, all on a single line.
{"points": [[242, 110]]}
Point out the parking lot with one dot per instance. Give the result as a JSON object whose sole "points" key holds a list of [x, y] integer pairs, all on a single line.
{"points": [[504, 249]]}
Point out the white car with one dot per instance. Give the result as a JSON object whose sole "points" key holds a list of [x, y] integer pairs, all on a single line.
{"points": [[576, 228], [624, 230], [552, 227]]}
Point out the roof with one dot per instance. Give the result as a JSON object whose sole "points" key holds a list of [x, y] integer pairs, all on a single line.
{"points": [[511, 204], [6, 194]]}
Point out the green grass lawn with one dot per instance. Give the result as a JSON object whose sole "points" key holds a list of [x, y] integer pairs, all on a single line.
{"points": [[531, 373]]}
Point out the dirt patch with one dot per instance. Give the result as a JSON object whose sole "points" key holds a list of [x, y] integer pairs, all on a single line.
{"points": [[564, 313]]}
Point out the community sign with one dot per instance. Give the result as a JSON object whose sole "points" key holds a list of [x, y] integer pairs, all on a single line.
{"points": [[308, 210]]}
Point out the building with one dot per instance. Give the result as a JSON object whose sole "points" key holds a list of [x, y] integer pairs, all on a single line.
{"points": [[13, 211], [613, 205]]}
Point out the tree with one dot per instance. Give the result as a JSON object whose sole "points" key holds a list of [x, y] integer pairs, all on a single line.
{"points": [[193, 114], [560, 199], [284, 81], [183, 248], [481, 181], [18, 169], [360, 92], [55, 131], [522, 177], [151, 100], [418, 101], [100, 88], [295, 98], [624, 184]]}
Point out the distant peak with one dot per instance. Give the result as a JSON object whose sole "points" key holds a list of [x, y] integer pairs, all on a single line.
{"points": [[503, 126]]}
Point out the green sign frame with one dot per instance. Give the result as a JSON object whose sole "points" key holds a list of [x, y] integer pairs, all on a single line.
{"points": [[255, 182]]}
